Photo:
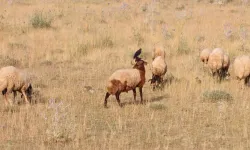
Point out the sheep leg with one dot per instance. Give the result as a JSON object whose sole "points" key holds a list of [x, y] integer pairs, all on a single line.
{"points": [[25, 96], [140, 89], [6, 97], [246, 81], [105, 100], [134, 93], [3, 88], [219, 72], [4, 92], [14, 93], [117, 95], [161, 82]]}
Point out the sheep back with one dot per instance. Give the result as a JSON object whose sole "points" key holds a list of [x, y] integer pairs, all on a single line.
{"points": [[14, 77], [159, 66], [242, 66], [216, 58], [124, 80]]}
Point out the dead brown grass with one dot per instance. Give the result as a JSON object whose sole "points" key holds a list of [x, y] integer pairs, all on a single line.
{"points": [[87, 41]]}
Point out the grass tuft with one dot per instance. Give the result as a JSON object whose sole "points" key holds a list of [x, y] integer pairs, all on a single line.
{"points": [[40, 20], [157, 106], [216, 95]]}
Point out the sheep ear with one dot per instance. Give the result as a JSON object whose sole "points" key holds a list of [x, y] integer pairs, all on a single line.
{"points": [[145, 63]]}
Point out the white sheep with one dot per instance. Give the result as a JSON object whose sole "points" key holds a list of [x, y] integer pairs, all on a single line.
{"points": [[124, 80], [241, 67], [204, 55], [159, 68], [15, 80], [215, 62]]}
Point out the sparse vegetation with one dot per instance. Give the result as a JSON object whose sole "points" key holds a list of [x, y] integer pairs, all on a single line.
{"points": [[40, 20], [71, 47], [157, 106], [217, 95], [60, 125], [138, 37], [183, 47]]}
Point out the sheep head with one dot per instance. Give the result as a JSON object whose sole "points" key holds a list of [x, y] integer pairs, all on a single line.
{"points": [[154, 81], [139, 63]]}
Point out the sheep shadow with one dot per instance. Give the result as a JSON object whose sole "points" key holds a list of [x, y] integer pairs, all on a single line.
{"points": [[37, 97], [151, 100], [158, 98], [167, 81]]}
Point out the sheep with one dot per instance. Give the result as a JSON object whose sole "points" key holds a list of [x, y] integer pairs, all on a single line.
{"points": [[158, 51], [204, 55], [124, 80], [241, 67], [159, 68], [15, 80], [215, 62]]}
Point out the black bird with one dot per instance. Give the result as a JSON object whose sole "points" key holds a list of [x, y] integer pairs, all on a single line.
{"points": [[137, 53]]}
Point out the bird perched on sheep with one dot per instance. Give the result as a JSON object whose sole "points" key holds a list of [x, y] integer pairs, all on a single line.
{"points": [[204, 55], [241, 67], [124, 80], [159, 67], [215, 62], [15, 80]]}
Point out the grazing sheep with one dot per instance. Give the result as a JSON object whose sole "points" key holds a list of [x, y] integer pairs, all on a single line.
{"points": [[241, 67], [159, 69], [204, 55], [15, 80], [215, 62], [158, 51], [124, 80], [225, 66]]}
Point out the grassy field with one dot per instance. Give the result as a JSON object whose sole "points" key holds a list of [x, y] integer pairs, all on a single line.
{"points": [[72, 47]]}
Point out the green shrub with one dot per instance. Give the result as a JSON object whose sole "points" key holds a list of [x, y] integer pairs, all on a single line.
{"points": [[40, 20], [216, 95]]}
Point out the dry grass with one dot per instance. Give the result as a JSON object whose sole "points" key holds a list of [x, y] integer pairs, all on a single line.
{"points": [[86, 41]]}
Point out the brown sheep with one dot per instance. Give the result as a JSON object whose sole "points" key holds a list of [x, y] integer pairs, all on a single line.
{"points": [[124, 80]]}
